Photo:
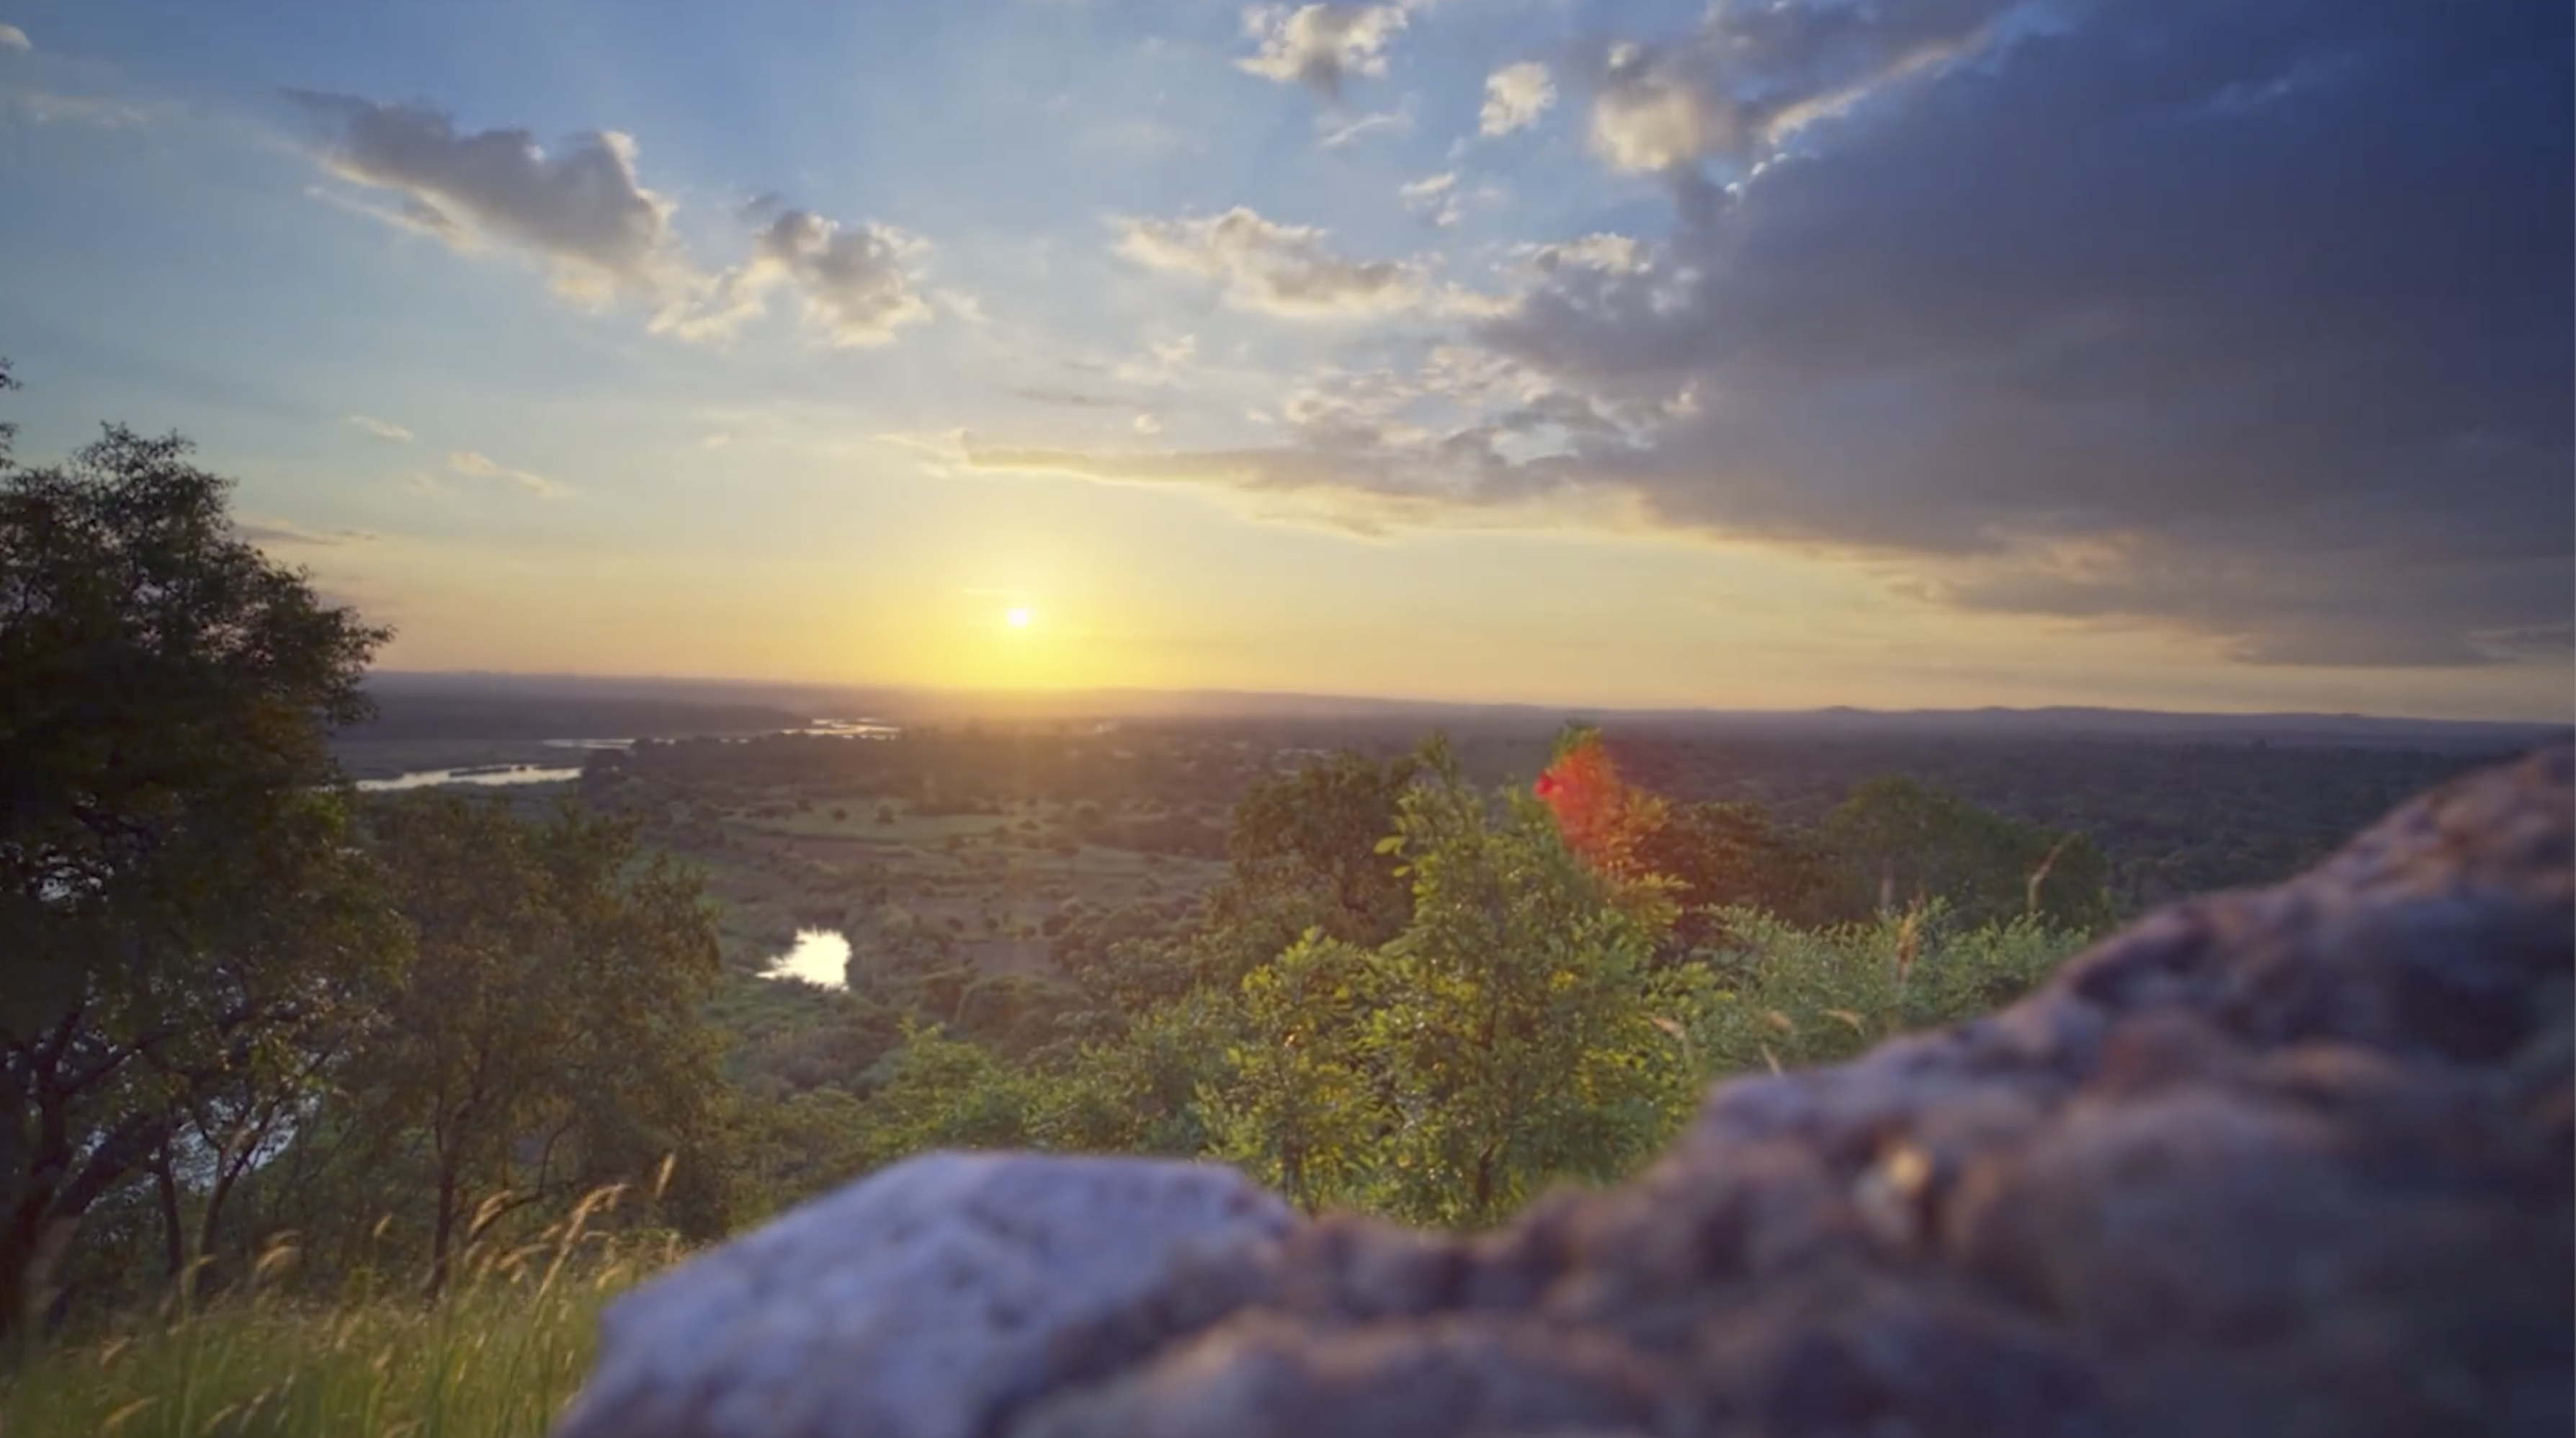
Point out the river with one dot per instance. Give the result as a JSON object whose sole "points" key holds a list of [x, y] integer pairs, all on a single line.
{"points": [[542, 774]]}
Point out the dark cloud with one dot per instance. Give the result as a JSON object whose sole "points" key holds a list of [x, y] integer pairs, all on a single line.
{"points": [[857, 279], [2253, 319], [579, 204]]}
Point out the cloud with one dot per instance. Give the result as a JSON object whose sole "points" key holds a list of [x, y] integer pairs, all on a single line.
{"points": [[1603, 253], [1368, 451], [1165, 362], [580, 207], [1515, 97], [1266, 267], [1338, 133], [466, 461], [1752, 74], [382, 428], [1433, 197], [1069, 398], [1320, 46], [105, 112], [2249, 325], [286, 535], [858, 281], [13, 38], [2238, 343]]}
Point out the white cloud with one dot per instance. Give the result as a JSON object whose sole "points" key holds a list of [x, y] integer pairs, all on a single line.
{"points": [[1608, 253], [466, 461], [1752, 75], [1434, 197], [1320, 46], [1339, 133], [1515, 97], [1650, 119], [1266, 267], [579, 207], [13, 38], [382, 428], [1148, 424]]}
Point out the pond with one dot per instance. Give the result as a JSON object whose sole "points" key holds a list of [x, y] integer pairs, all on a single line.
{"points": [[821, 956]]}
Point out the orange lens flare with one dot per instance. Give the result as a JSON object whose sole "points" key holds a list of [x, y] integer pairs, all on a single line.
{"points": [[1602, 818]]}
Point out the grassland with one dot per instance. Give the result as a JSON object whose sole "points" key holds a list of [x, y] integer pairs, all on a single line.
{"points": [[498, 1357]]}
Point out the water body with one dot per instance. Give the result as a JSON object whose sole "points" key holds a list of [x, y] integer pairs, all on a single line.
{"points": [[539, 774], [475, 774], [821, 956]]}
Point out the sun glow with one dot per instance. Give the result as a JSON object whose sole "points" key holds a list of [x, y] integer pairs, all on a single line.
{"points": [[1017, 616]]}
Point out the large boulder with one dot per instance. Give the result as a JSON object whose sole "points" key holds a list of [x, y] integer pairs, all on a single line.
{"points": [[2273, 1164], [928, 1300]]}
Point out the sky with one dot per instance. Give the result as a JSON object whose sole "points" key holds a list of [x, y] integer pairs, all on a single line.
{"points": [[2179, 354]]}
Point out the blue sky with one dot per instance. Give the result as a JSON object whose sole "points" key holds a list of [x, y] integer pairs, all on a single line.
{"points": [[2178, 354]]}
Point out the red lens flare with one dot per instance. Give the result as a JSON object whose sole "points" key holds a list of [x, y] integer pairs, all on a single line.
{"points": [[1601, 818]]}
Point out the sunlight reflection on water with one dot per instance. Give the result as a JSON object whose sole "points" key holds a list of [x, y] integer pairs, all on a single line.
{"points": [[514, 774], [821, 956]]}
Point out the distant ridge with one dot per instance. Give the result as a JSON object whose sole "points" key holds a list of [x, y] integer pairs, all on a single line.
{"points": [[747, 704]]}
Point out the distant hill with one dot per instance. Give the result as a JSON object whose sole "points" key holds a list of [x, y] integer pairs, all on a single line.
{"points": [[484, 707], [527, 706]]}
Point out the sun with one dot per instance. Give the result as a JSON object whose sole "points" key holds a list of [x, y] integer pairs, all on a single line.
{"points": [[1017, 616]]}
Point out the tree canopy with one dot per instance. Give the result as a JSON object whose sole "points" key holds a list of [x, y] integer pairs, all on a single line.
{"points": [[182, 900]]}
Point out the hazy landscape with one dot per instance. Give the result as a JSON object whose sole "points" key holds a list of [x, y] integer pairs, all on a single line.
{"points": [[612, 620]]}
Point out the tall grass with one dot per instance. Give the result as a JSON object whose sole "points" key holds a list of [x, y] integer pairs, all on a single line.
{"points": [[1799, 997], [500, 1354]]}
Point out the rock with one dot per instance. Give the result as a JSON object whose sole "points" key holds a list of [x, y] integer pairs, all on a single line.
{"points": [[2271, 1164], [927, 1300]]}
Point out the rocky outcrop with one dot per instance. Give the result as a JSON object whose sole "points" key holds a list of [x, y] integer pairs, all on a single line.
{"points": [[2283, 1163]]}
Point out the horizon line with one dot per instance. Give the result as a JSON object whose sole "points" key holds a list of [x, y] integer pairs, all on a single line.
{"points": [[1040, 694]]}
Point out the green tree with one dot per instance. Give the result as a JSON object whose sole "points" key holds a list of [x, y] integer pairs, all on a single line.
{"points": [[1306, 1110], [1722, 856], [941, 1092], [1304, 853], [1515, 1033], [1906, 842], [1531, 1038], [183, 906], [548, 1038]]}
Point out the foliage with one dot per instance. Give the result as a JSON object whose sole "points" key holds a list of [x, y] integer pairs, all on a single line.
{"points": [[547, 1038], [1514, 1034], [1304, 853], [942, 1092], [1908, 843], [1721, 856], [1793, 997], [183, 912]]}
